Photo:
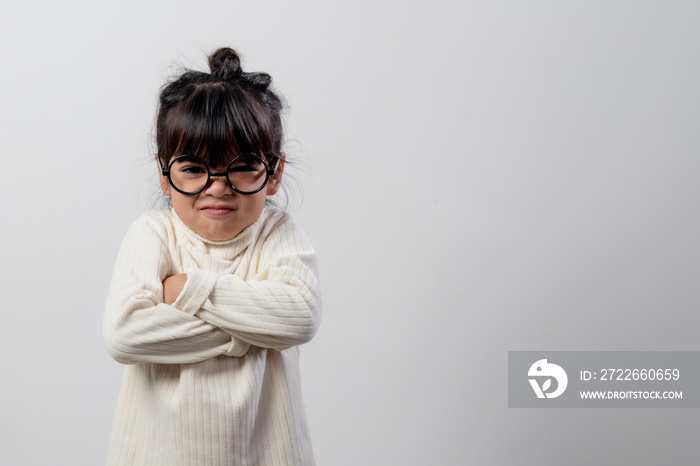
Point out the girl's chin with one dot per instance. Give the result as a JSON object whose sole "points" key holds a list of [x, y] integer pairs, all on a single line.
{"points": [[219, 232]]}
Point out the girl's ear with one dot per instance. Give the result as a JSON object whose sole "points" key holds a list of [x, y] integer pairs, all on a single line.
{"points": [[164, 184], [275, 180]]}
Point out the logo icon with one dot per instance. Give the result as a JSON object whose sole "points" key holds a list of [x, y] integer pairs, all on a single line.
{"points": [[546, 371]]}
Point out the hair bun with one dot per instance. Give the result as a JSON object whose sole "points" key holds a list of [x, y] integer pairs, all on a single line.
{"points": [[225, 65]]}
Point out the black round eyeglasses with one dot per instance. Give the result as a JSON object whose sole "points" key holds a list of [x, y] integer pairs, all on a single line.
{"points": [[246, 174]]}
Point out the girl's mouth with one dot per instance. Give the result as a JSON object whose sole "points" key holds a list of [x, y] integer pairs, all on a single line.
{"points": [[217, 210]]}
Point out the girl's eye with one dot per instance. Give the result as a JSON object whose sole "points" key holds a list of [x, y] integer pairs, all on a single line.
{"points": [[193, 169]]}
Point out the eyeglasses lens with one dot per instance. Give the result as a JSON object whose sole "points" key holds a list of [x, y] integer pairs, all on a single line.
{"points": [[189, 174], [247, 173]]}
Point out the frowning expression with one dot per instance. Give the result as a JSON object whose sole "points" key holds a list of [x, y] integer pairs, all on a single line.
{"points": [[218, 213]]}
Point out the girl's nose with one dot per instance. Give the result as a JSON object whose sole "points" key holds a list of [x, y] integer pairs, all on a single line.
{"points": [[218, 186]]}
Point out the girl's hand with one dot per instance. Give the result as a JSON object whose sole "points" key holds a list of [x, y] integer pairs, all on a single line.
{"points": [[172, 287]]}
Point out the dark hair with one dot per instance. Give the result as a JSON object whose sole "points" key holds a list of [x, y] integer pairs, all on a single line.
{"points": [[219, 115]]}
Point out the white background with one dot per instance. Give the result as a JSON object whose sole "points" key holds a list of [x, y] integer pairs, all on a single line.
{"points": [[478, 177]]}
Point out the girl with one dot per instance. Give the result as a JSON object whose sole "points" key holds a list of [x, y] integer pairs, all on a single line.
{"points": [[210, 300]]}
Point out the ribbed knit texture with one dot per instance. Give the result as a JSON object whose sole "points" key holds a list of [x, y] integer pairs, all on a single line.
{"points": [[212, 379]]}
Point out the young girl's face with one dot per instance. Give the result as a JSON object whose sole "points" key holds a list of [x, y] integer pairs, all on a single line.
{"points": [[219, 213]]}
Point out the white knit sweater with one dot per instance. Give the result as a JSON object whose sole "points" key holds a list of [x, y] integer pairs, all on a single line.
{"points": [[212, 379]]}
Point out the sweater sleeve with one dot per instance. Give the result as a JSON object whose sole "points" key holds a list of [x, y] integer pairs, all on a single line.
{"points": [[138, 326], [281, 308]]}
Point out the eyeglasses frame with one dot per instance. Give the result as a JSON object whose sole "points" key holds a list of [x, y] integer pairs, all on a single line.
{"points": [[269, 171]]}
